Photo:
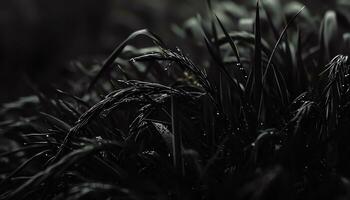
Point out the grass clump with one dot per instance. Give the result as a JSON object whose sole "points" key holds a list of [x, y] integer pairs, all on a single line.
{"points": [[260, 116]]}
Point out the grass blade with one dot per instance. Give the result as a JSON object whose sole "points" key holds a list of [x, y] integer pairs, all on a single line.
{"points": [[279, 41], [106, 66], [231, 42]]}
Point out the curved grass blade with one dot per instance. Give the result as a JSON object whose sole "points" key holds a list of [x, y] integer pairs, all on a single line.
{"points": [[273, 53], [279, 41], [57, 168], [257, 50], [231, 42], [120, 48], [77, 99], [57, 122], [22, 166]]}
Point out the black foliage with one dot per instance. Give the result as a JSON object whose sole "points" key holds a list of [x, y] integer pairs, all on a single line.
{"points": [[263, 115]]}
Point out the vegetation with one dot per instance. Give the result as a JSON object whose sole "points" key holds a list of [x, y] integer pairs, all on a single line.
{"points": [[262, 112]]}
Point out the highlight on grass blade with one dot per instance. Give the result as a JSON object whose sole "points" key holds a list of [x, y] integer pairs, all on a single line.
{"points": [[231, 42], [279, 41], [117, 51]]}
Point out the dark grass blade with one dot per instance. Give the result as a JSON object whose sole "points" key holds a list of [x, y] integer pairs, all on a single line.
{"points": [[244, 38], [257, 49], [273, 53], [106, 66], [177, 140], [215, 54], [57, 122], [231, 42], [56, 169], [255, 79], [22, 166], [280, 40], [26, 149], [77, 99], [218, 60]]}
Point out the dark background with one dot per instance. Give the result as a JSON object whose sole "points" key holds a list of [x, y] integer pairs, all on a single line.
{"points": [[38, 38]]}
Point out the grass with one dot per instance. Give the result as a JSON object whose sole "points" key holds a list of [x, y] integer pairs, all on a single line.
{"points": [[260, 116]]}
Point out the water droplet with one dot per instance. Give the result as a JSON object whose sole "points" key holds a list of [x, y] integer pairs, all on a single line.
{"points": [[99, 138]]}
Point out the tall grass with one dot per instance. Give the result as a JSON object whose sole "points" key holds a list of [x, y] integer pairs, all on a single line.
{"points": [[256, 118]]}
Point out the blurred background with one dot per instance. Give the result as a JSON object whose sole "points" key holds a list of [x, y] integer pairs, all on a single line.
{"points": [[39, 38]]}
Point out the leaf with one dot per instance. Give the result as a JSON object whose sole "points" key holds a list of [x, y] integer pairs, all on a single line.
{"points": [[57, 122], [232, 43], [117, 51], [165, 133], [256, 73], [177, 140], [279, 41], [56, 169]]}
